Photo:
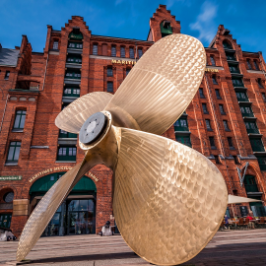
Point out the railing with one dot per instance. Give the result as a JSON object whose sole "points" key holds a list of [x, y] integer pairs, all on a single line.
{"points": [[253, 130], [251, 188]]}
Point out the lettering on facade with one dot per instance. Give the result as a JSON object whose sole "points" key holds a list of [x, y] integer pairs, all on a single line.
{"points": [[124, 62], [11, 178], [211, 70], [56, 169]]}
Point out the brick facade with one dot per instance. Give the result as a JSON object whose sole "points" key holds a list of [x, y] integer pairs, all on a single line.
{"points": [[37, 82]]}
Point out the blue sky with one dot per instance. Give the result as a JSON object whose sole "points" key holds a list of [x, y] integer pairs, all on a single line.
{"points": [[130, 18]]}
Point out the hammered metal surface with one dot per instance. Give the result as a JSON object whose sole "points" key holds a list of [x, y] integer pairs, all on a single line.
{"points": [[162, 84], [169, 200], [75, 114], [47, 207]]}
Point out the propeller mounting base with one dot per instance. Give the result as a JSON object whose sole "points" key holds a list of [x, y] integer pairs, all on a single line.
{"points": [[92, 128]]}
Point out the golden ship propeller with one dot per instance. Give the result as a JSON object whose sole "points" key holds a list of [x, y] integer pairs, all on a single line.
{"points": [[168, 199]]}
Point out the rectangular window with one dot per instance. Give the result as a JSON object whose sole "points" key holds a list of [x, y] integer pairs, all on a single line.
{"points": [[71, 92], [140, 52], [262, 163], [212, 61], [212, 143], [201, 93], [242, 96], [66, 153], [113, 51], [19, 120], [131, 52], [95, 49], [263, 97], [214, 81], [252, 128], [181, 125], [246, 111], [230, 142], [73, 75], [221, 107], [234, 68], [208, 125], [127, 71], [204, 107], [65, 134], [218, 96], [249, 64], [226, 125], [184, 140], [237, 82], [75, 45], [55, 45], [7, 75], [13, 152], [230, 56], [217, 159], [110, 87], [122, 51], [109, 71], [256, 65], [74, 60], [235, 159], [260, 83], [256, 144]]}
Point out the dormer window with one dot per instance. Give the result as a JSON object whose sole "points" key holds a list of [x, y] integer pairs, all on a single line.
{"points": [[227, 45], [166, 28], [256, 65]]}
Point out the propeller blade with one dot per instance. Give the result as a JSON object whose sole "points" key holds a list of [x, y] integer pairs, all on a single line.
{"points": [[47, 207], [169, 200], [161, 85], [75, 114]]}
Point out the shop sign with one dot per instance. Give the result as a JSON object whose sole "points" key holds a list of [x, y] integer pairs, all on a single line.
{"points": [[124, 62], [57, 169], [211, 70], [11, 178]]}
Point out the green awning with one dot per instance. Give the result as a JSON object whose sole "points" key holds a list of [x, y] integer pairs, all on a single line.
{"points": [[43, 184]]}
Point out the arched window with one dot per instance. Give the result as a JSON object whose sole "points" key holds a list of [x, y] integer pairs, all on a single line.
{"points": [[113, 51], [55, 44], [166, 28], [249, 64], [104, 49], [140, 52], [227, 45], [95, 49], [131, 52], [122, 51], [212, 60]]}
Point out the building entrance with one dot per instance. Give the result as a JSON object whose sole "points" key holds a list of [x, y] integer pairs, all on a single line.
{"points": [[76, 214]]}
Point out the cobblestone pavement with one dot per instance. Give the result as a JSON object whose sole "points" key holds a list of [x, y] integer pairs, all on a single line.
{"points": [[242, 247]]}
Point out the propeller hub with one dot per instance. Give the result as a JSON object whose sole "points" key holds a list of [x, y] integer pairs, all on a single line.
{"points": [[92, 128]]}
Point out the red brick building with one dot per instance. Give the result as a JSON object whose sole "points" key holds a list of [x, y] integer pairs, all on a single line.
{"points": [[225, 121]]}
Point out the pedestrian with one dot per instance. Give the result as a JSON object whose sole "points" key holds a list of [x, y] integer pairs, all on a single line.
{"points": [[250, 218], [106, 230], [226, 222]]}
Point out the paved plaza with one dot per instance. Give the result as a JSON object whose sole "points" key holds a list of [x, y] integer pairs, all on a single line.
{"points": [[241, 247]]}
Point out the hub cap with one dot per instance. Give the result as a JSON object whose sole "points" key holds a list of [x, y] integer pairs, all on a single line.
{"points": [[92, 128]]}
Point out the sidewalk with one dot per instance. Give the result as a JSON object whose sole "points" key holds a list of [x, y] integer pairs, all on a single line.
{"points": [[243, 247]]}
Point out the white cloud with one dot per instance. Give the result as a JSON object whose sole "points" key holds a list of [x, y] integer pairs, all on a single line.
{"points": [[204, 23]]}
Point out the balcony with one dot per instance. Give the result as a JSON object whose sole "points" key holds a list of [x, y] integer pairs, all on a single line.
{"points": [[242, 99], [257, 147], [248, 114]]}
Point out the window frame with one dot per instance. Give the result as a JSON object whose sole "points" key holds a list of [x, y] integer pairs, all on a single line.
{"points": [[218, 95], [213, 63], [211, 139], [201, 93], [95, 49], [208, 124], [123, 48], [230, 143], [7, 75], [214, 80], [221, 108], [204, 108], [140, 52], [109, 71], [15, 145], [226, 126], [21, 116], [113, 51], [67, 157], [110, 82], [131, 52]]}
